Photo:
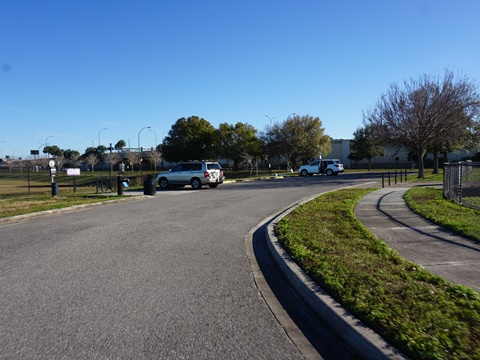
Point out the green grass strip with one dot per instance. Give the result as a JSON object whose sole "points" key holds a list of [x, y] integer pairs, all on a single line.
{"points": [[430, 203], [19, 205], [423, 315]]}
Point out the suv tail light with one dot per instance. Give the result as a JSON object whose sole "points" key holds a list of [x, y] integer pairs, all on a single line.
{"points": [[336, 165], [206, 174]]}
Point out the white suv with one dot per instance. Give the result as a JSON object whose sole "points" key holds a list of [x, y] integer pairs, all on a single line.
{"points": [[332, 167], [194, 173]]}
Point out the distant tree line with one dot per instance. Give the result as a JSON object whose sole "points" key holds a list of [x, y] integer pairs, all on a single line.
{"points": [[296, 140], [431, 114]]}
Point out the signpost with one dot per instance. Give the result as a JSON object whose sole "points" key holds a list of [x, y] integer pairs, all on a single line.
{"points": [[53, 173], [73, 172]]}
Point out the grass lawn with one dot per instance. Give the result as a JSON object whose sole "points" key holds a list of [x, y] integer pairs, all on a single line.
{"points": [[429, 202], [18, 205], [423, 315]]}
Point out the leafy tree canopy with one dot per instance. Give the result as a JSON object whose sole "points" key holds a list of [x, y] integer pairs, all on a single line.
{"points": [[120, 144], [237, 141], [192, 138], [299, 139], [69, 153], [366, 145], [53, 150]]}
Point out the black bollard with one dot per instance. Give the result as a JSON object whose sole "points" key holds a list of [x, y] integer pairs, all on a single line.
{"points": [[120, 185]]}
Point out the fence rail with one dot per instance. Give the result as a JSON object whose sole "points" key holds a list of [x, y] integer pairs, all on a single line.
{"points": [[461, 183]]}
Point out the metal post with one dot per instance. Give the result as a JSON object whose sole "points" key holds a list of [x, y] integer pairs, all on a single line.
{"points": [[460, 183], [120, 185]]}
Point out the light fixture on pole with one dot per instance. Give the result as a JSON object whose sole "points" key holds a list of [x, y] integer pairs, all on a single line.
{"points": [[46, 139], [46, 143], [99, 135], [91, 140], [154, 133], [146, 127], [270, 120]]}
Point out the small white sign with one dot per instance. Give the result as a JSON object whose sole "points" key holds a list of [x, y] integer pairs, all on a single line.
{"points": [[73, 172], [51, 163]]}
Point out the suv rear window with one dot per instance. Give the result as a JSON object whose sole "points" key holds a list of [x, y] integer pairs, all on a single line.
{"points": [[213, 166]]}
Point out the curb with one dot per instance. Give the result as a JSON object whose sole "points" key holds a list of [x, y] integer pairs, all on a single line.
{"points": [[352, 331]]}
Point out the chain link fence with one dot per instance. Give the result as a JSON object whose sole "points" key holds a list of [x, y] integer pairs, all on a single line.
{"points": [[461, 183]]}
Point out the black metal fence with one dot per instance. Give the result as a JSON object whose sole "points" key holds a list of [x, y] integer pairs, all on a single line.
{"points": [[461, 183]]}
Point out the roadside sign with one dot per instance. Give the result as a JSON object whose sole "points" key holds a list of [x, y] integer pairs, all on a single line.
{"points": [[73, 171], [51, 163]]}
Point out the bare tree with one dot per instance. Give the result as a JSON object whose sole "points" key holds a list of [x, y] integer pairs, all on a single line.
{"points": [[60, 160], [75, 159], [133, 158], [92, 160], [425, 112], [251, 160], [154, 156], [112, 159]]}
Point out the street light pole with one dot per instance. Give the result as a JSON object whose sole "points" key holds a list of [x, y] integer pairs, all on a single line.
{"points": [[270, 141], [99, 136], [154, 133], [270, 120], [146, 127], [91, 140], [46, 140]]}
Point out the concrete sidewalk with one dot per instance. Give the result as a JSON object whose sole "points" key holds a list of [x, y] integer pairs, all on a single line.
{"points": [[440, 251]]}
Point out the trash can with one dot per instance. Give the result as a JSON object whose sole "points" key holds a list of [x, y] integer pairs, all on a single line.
{"points": [[150, 185], [54, 189]]}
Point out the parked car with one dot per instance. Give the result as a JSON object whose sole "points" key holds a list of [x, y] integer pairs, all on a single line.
{"points": [[332, 167], [194, 173]]}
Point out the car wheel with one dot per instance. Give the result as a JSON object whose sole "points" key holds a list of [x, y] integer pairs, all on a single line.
{"points": [[163, 183], [304, 172], [213, 186], [329, 172], [196, 183]]}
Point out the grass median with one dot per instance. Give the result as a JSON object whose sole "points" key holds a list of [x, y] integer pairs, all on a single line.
{"points": [[423, 315]]}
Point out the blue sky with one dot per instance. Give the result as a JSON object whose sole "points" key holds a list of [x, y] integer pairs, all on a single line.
{"points": [[70, 68]]}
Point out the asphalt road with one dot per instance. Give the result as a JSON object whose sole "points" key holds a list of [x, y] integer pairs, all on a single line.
{"points": [[163, 277]]}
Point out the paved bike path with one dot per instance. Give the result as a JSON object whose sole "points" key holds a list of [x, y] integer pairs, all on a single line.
{"points": [[440, 251]]}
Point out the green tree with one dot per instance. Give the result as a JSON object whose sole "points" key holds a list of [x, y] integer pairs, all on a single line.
{"points": [[237, 142], [120, 144], [190, 139], [365, 145], [69, 153], [53, 150], [298, 139]]}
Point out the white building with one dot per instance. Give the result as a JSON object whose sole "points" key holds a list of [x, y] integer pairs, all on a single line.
{"points": [[392, 159]]}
